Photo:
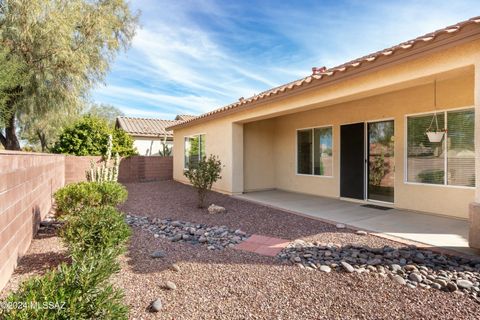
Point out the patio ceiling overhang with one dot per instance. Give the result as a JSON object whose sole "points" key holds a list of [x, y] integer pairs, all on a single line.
{"points": [[416, 49]]}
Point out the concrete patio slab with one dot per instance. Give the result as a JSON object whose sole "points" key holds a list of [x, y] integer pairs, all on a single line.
{"points": [[431, 230]]}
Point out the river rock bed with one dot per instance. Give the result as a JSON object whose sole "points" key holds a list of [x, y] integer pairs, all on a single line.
{"points": [[408, 266], [214, 237]]}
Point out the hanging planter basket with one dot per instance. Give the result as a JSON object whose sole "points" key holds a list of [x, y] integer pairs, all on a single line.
{"points": [[436, 135]]}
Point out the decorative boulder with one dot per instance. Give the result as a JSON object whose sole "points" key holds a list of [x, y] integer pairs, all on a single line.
{"points": [[214, 209]]}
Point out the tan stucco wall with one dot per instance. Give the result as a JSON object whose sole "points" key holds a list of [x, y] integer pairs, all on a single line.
{"points": [[452, 93], [218, 142], [376, 95], [149, 146], [259, 158]]}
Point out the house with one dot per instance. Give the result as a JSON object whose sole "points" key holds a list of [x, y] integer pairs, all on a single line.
{"points": [[148, 134], [357, 131]]}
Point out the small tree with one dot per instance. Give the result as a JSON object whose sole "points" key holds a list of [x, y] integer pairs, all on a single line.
{"points": [[203, 174]]}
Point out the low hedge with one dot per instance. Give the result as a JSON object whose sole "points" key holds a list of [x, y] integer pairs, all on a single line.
{"points": [[95, 233], [95, 229], [77, 196], [78, 291]]}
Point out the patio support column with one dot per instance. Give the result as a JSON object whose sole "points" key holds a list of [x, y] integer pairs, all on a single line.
{"points": [[474, 216], [237, 158]]}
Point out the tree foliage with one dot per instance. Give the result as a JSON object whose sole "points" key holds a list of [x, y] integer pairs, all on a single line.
{"points": [[66, 48], [42, 132], [203, 174], [105, 111], [89, 137]]}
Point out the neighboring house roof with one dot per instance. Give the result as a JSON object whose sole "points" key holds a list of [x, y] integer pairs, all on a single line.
{"points": [[184, 117], [322, 75], [143, 127]]}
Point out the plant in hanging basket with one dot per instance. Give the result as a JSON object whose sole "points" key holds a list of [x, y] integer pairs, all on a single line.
{"points": [[435, 136]]}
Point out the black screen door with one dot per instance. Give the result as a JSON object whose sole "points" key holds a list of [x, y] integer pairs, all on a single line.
{"points": [[352, 161]]}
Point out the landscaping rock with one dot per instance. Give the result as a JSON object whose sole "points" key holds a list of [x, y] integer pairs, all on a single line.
{"points": [[340, 226], [214, 209], [156, 306], [175, 267], [170, 285], [347, 267], [325, 268], [215, 237], [361, 232], [452, 287], [158, 254], [398, 279], [415, 277], [464, 284], [409, 266]]}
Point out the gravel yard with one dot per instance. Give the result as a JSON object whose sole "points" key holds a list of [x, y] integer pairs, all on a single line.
{"points": [[234, 284]]}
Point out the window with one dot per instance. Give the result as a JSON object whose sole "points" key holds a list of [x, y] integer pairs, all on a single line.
{"points": [[461, 148], [448, 162], [194, 150], [314, 151]]}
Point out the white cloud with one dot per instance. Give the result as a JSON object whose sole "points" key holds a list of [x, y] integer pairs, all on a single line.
{"points": [[193, 56]]}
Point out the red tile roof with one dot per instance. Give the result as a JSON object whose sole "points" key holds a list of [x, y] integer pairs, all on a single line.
{"points": [[183, 117], [145, 127], [341, 69]]}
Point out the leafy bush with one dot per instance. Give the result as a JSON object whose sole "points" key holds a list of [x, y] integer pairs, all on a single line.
{"points": [[432, 176], [77, 291], [77, 196], [89, 137], [95, 229], [203, 174]]}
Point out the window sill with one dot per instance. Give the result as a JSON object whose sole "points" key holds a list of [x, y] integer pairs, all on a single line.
{"points": [[438, 185], [313, 175]]}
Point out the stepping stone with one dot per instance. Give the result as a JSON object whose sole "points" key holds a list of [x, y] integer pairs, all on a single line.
{"points": [[263, 245]]}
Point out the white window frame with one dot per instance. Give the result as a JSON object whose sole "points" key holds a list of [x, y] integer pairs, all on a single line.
{"points": [[185, 167], [405, 149], [313, 156]]}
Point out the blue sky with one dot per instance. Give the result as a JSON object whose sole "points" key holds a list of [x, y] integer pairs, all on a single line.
{"points": [[190, 57]]}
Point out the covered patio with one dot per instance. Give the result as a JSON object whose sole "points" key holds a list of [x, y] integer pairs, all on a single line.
{"points": [[431, 230]]}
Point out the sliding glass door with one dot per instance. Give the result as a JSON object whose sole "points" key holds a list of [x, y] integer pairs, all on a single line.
{"points": [[381, 161]]}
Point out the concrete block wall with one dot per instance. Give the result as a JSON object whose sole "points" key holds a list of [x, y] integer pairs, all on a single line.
{"points": [[76, 167], [27, 184], [139, 169], [132, 169]]}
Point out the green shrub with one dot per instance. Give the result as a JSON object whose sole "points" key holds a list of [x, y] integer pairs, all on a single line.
{"points": [[75, 197], [77, 291], [432, 176], [89, 137], [94, 230], [203, 174]]}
